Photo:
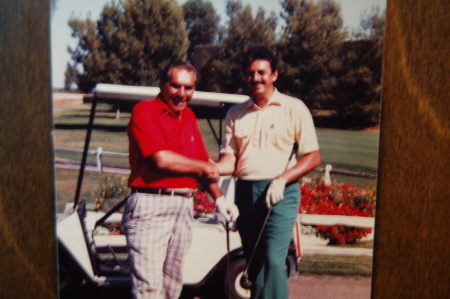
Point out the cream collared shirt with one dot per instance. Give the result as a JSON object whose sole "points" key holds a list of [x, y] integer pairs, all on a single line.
{"points": [[262, 138]]}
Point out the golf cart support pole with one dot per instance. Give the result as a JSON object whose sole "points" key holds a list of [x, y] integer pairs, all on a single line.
{"points": [[86, 148], [217, 137]]}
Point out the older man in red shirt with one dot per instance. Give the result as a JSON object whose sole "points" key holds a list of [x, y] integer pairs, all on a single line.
{"points": [[167, 157]]}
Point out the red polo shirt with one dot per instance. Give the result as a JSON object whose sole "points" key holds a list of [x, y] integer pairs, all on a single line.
{"points": [[154, 128]]}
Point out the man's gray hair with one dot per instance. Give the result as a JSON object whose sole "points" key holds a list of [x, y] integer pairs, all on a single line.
{"points": [[165, 74]]}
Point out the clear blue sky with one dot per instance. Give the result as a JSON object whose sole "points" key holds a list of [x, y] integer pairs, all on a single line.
{"points": [[61, 39]]}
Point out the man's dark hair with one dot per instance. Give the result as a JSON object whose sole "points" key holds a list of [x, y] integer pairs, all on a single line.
{"points": [[165, 74], [259, 53]]}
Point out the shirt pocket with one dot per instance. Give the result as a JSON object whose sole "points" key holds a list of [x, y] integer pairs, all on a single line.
{"points": [[242, 139], [277, 132]]}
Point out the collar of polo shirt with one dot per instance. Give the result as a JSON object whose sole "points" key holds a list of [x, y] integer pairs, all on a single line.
{"points": [[273, 101]]}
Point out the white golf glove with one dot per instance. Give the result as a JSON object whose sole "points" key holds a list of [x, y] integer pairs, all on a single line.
{"points": [[227, 208], [275, 192]]}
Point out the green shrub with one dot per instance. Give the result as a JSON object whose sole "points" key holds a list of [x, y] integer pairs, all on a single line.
{"points": [[113, 190]]}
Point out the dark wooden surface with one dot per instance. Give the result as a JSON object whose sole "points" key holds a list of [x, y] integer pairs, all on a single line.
{"points": [[27, 251], [412, 222], [411, 254]]}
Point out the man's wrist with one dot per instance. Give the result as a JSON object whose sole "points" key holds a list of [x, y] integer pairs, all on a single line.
{"points": [[281, 178], [220, 198], [218, 169]]}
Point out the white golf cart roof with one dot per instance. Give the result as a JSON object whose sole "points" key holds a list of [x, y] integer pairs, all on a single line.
{"points": [[139, 93]]}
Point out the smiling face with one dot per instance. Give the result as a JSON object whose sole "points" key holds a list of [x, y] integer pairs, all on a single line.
{"points": [[178, 90], [260, 79]]}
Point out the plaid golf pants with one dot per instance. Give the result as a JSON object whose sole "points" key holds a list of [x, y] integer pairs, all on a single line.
{"points": [[159, 232]]}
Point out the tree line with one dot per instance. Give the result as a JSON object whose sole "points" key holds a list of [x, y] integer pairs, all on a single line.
{"points": [[320, 62]]}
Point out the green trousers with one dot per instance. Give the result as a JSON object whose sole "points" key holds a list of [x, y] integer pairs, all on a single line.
{"points": [[267, 270]]}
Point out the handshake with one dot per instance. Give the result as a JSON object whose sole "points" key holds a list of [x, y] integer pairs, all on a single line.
{"points": [[212, 172], [224, 206]]}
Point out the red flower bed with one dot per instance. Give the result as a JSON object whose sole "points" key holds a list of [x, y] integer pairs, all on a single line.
{"points": [[317, 198], [338, 199], [202, 205]]}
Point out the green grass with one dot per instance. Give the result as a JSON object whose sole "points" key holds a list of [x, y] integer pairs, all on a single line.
{"points": [[66, 184], [336, 265], [350, 150], [359, 244], [343, 149], [109, 133]]}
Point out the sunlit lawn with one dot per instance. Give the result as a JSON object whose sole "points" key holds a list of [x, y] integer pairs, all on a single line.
{"points": [[336, 265], [348, 150]]}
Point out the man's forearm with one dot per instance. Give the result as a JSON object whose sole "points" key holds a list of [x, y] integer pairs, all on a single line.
{"points": [[227, 164], [214, 190], [303, 166], [176, 163]]}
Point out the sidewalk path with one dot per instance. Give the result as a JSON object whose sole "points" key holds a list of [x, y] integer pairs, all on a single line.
{"points": [[309, 287], [318, 287]]}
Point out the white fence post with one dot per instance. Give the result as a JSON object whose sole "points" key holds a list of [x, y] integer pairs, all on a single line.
{"points": [[118, 111], [99, 159], [327, 179]]}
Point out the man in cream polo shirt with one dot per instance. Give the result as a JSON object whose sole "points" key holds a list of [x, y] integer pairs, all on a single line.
{"points": [[262, 138]]}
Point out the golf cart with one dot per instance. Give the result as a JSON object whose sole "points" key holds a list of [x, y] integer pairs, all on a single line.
{"points": [[215, 262]]}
